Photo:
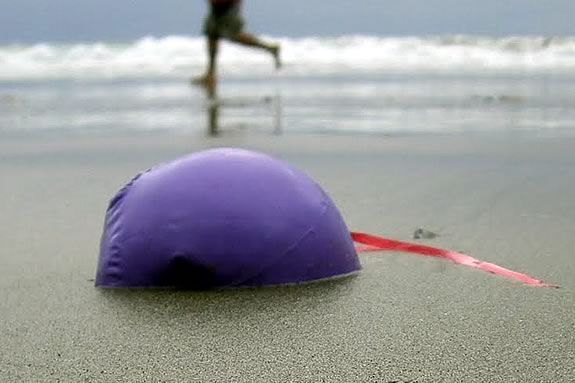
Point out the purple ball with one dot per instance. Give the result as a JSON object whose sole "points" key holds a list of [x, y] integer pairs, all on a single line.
{"points": [[222, 218]]}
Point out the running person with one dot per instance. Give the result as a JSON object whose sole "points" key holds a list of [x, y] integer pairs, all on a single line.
{"points": [[225, 22]]}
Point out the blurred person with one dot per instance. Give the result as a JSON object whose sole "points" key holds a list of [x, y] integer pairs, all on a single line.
{"points": [[224, 21]]}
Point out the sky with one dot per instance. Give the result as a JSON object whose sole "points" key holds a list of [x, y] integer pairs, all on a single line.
{"points": [[29, 21]]}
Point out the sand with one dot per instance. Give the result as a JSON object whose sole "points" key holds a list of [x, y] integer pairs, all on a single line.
{"points": [[501, 198]]}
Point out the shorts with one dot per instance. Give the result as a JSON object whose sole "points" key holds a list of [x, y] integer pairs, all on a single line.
{"points": [[224, 25]]}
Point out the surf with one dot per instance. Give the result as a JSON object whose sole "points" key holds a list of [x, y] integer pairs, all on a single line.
{"points": [[181, 56]]}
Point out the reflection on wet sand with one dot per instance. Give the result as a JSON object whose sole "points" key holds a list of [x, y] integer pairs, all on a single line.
{"points": [[272, 105]]}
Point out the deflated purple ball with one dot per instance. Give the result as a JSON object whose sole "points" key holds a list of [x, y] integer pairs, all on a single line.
{"points": [[222, 218]]}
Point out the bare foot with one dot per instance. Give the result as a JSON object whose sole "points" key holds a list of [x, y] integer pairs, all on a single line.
{"points": [[276, 53], [206, 81]]}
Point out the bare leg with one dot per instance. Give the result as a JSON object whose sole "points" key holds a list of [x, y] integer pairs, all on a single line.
{"points": [[208, 80], [250, 40]]}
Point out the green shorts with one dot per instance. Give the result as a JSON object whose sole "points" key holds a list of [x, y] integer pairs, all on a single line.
{"points": [[226, 25]]}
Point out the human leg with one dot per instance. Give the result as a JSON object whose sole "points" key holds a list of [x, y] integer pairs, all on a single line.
{"points": [[250, 40], [208, 80]]}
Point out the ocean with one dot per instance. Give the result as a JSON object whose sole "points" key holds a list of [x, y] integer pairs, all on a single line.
{"points": [[343, 85]]}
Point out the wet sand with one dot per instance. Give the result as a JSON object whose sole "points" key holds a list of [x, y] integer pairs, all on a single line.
{"points": [[505, 199]]}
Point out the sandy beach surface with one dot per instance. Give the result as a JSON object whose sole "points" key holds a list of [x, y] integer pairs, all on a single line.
{"points": [[504, 198]]}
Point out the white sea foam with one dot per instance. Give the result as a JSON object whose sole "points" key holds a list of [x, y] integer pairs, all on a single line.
{"points": [[177, 56]]}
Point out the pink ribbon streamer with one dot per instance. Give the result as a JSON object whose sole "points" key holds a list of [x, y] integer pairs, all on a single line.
{"points": [[368, 242]]}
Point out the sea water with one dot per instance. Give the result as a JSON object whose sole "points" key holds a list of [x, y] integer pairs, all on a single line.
{"points": [[349, 84]]}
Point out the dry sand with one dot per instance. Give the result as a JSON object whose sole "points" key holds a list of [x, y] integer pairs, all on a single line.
{"points": [[404, 318]]}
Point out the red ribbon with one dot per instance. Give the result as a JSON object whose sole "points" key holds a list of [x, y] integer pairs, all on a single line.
{"points": [[368, 242]]}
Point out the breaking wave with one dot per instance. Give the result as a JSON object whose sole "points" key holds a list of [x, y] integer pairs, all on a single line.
{"points": [[176, 56]]}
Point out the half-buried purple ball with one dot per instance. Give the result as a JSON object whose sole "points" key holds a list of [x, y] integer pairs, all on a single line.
{"points": [[222, 218]]}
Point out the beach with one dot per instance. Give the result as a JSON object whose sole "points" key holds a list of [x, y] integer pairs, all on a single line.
{"points": [[500, 198], [468, 138]]}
